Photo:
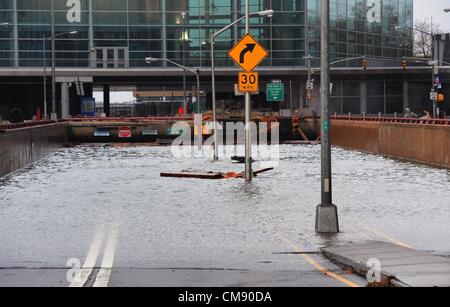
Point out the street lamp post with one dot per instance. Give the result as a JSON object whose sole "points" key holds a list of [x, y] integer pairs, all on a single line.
{"points": [[150, 60], [268, 13], [52, 39], [183, 41], [326, 215], [54, 116], [44, 48]]}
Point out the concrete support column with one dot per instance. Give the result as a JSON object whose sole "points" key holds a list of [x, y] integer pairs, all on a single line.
{"points": [[405, 93], [363, 106], [106, 100], [65, 106]]}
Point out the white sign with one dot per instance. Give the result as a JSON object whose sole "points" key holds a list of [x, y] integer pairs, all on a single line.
{"points": [[74, 12], [374, 11], [433, 96]]}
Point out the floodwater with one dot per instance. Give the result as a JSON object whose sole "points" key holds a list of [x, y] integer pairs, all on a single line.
{"points": [[51, 211]]}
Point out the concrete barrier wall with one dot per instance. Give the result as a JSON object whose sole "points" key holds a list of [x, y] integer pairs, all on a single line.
{"points": [[21, 147], [429, 144]]}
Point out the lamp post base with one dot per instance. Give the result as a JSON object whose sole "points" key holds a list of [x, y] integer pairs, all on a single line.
{"points": [[327, 221]]}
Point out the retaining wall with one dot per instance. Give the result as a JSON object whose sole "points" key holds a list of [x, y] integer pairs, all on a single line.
{"points": [[21, 147], [429, 144]]}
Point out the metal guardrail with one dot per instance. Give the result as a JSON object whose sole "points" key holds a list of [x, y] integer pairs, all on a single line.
{"points": [[398, 120], [5, 127]]}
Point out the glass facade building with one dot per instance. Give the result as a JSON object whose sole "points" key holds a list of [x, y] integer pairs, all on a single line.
{"points": [[121, 33]]}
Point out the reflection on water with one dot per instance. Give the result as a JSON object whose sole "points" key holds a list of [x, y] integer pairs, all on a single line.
{"points": [[58, 201]]}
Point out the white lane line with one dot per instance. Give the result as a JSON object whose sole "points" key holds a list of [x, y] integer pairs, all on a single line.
{"points": [[103, 275], [90, 261]]}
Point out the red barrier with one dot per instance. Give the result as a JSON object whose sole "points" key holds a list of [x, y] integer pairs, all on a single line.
{"points": [[417, 121], [25, 125], [127, 119]]}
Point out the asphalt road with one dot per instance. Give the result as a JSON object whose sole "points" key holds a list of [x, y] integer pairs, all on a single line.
{"points": [[100, 215]]}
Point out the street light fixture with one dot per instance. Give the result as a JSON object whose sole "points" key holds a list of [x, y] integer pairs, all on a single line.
{"points": [[150, 60], [265, 13]]}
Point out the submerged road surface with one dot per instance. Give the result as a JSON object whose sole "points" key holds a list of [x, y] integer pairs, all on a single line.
{"points": [[100, 215]]}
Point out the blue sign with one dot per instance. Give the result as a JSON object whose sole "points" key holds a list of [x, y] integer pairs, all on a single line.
{"points": [[88, 106]]}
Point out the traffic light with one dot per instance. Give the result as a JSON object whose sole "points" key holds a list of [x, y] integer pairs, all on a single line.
{"points": [[404, 65], [440, 98], [365, 64]]}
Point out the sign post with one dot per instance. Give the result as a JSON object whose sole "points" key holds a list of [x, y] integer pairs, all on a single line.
{"points": [[248, 54]]}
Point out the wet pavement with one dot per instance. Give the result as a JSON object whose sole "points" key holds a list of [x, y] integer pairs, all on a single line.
{"points": [[106, 206]]}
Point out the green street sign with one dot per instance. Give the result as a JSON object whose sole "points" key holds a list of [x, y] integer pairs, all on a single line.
{"points": [[275, 92]]}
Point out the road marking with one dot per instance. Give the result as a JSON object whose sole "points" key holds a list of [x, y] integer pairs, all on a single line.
{"points": [[317, 265], [90, 261], [104, 274], [308, 258]]}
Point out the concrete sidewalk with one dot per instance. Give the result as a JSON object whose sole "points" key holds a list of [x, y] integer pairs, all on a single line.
{"points": [[400, 266]]}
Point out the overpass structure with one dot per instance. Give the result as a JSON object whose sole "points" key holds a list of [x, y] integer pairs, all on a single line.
{"points": [[385, 90]]}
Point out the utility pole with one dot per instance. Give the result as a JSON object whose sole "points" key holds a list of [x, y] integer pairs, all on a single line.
{"points": [[326, 215], [248, 138]]}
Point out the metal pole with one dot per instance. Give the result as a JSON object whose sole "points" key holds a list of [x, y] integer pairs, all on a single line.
{"points": [[44, 42], [432, 67], [199, 104], [54, 116], [185, 108], [248, 140], [199, 112], [213, 79], [326, 216]]}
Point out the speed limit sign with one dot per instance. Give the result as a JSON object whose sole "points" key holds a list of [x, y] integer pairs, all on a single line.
{"points": [[248, 82]]}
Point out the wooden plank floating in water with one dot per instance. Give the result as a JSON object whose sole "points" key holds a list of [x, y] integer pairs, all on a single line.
{"points": [[211, 175], [193, 175]]}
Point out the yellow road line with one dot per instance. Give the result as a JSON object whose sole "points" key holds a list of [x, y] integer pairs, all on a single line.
{"points": [[317, 265], [381, 234], [385, 236]]}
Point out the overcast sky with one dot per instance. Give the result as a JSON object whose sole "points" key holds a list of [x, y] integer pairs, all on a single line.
{"points": [[426, 8]]}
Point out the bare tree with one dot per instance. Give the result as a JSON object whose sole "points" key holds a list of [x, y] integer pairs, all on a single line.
{"points": [[423, 43]]}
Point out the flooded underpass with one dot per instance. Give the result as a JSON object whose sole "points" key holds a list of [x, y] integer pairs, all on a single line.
{"points": [[105, 209]]}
